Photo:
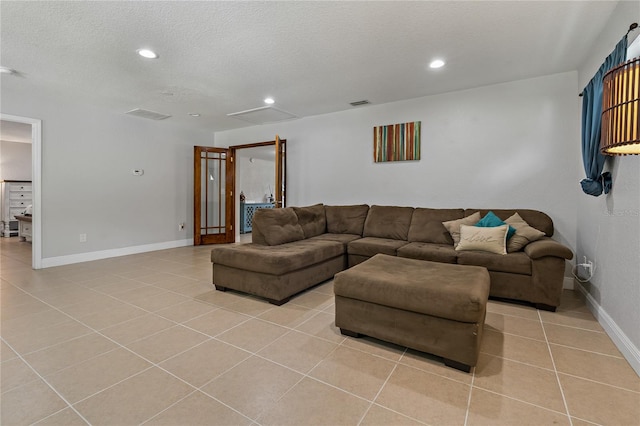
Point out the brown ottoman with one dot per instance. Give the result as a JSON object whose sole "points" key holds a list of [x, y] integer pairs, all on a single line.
{"points": [[433, 307]]}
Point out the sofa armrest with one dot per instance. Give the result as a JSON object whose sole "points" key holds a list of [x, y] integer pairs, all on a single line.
{"points": [[547, 247]]}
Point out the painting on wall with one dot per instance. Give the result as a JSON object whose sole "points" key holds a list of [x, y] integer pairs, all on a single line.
{"points": [[396, 142]]}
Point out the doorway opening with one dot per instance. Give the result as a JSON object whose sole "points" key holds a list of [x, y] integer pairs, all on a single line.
{"points": [[219, 202], [260, 181], [36, 181]]}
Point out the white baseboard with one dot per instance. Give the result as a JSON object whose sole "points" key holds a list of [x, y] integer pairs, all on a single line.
{"points": [[622, 342], [49, 262], [568, 283]]}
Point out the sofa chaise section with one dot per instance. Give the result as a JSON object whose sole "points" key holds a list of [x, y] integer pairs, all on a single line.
{"points": [[282, 262], [276, 272]]}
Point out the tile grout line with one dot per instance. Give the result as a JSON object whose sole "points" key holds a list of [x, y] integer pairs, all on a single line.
{"points": [[517, 361], [515, 335], [255, 354], [553, 362], [471, 386], [307, 376], [153, 364], [395, 366], [69, 405], [401, 414], [431, 373], [601, 383], [71, 339], [170, 406], [588, 351], [54, 414], [577, 328], [520, 400]]}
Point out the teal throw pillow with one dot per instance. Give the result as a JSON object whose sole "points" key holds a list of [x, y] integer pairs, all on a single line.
{"points": [[490, 220]]}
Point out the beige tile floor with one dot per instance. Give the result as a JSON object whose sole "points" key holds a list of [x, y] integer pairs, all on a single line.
{"points": [[145, 339]]}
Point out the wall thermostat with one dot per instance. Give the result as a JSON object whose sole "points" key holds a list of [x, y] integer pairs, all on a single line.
{"points": [[138, 172]]}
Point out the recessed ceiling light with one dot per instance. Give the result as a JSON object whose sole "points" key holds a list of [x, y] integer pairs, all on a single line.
{"points": [[269, 101], [147, 53], [5, 70], [436, 63], [194, 114]]}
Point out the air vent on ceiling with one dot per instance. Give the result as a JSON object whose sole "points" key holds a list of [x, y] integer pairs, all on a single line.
{"points": [[145, 113], [263, 115], [358, 103]]}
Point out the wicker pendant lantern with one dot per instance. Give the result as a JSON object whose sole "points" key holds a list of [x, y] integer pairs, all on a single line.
{"points": [[621, 110]]}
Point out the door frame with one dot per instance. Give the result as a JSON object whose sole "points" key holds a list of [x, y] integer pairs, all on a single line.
{"points": [[36, 183], [233, 150]]}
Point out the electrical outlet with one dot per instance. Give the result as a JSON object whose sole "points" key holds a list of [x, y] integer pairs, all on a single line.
{"points": [[589, 267], [83, 238]]}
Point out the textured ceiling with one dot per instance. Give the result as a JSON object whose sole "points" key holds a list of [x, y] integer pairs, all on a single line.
{"points": [[312, 57]]}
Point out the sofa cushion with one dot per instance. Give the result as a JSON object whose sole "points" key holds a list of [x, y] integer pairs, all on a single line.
{"points": [[341, 238], [370, 246], [524, 235], [444, 253], [346, 219], [515, 263], [426, 225], [537, 219], [276, 260], [312, 219], [478, 238], [275, 226], [388, 222], [453, 226]]}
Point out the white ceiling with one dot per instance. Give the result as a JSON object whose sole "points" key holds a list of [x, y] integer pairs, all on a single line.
{"points": [[311, 57]]}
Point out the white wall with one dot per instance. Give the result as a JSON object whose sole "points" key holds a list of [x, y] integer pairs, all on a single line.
{"points": [[88, 156], [510, 145], [255, 178], [15, 160], [609, 226]]}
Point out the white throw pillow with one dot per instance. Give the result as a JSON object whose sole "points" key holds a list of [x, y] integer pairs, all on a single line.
{"points": [[493, 240], [453, 226]]}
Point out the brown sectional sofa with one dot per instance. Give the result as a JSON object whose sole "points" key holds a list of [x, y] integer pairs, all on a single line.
{"points": [[296, 248]]}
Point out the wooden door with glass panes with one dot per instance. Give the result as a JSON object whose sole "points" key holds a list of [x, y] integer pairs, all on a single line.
{"points": [[213, 207]]}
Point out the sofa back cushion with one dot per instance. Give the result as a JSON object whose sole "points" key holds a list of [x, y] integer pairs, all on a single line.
{"points": [[537, 219], [388, 222], [312, 219], [272, 227], [426, 225], [346, 219]]}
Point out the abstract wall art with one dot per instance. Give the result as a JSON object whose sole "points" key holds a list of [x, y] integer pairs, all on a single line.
{"points": [[396, 142]]}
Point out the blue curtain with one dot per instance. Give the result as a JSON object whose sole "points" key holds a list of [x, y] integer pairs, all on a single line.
{"points": [[596, 181]]}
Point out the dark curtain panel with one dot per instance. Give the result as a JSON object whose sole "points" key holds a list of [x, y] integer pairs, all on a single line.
{"points": [[596, 182]]}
